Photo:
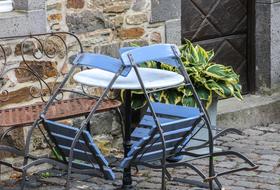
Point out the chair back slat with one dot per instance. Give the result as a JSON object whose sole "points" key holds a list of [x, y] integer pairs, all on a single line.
{"points": [[176, 131], [156, 145], [81, 154], [156, 155], [148, 121], [85, 150], [174, 110], [166, 123]]}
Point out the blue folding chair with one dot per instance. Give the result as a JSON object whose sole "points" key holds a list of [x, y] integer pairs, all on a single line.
{"points": [[74, 147], [166, 130]]}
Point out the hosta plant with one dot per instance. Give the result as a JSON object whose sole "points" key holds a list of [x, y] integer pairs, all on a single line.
{"points": [[209, 79]]}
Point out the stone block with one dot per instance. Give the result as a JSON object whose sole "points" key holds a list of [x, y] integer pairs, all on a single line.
{"points": [[267, 1], [85, 21], [15, 138], [267, 40], [110, 49], [37, 22], [117, 21], [21, 5], [55, 17], [173, 31], [97, 37], [75, 4], [136, 19], [116, 7], [131, 33], [55, 6], [275, 44], [262, 46], [42, 68], [105, 123], [164, 10], [139, 5], [18, 23], [29, 4], [36, 4], [137, 42], [155, 37], [7, 52]]}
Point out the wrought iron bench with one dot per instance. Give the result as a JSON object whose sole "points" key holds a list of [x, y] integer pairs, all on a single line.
{"points": [[36, 70]]}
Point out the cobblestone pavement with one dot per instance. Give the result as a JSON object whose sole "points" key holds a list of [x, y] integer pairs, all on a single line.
{"points": [[260, 143]]}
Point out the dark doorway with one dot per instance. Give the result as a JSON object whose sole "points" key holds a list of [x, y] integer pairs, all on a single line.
{"points": [[222, 25]]}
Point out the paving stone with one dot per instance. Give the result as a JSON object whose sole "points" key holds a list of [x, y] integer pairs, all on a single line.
{"points": [[53, 180], [265, 178], [265, 168], [271, 157], [266, 129], [253, 132]]}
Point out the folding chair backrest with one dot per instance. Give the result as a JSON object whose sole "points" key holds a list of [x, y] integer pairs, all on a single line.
{"points": [[177, 123], [86, 153], [101, 62], [166, 53]]}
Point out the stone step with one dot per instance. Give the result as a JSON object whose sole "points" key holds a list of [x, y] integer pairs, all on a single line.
{"points": [[253, 110]]}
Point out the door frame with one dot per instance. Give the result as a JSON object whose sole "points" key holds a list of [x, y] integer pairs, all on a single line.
{"points": [[251, 47]]}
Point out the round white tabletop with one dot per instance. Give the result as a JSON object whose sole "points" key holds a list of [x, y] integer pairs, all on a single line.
{"points": [[152, 78]]}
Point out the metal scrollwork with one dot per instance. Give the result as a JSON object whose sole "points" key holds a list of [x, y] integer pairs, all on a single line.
{"points": [[4, 58], [39, 53]]}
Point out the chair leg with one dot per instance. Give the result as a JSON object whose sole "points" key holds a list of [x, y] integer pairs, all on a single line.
{"points": [[67, 185], [163, 175], [24, 175], [211, 160], [218, 183]]}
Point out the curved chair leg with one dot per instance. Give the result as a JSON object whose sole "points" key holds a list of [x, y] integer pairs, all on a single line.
{"points": [[218, 183], [23, 182], [26, 151], [195, 182], [2, 136], [163, 173], [226, 131], [211, 151]]}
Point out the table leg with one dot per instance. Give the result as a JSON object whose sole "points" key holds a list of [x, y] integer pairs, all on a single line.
{"points": [[127, 180]]}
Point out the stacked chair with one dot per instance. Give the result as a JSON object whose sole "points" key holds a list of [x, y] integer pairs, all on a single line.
{"points": [[164, 132]]}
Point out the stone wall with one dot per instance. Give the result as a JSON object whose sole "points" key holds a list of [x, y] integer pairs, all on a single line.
{"points": [[106, 25], [103, 26]]}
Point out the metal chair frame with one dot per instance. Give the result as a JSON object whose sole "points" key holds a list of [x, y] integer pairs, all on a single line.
{"points": [[131, 60], [54, 93], [134, 57]]}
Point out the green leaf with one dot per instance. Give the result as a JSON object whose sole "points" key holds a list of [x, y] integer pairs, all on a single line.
{"points": [[222, 72], [188, 101]]}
